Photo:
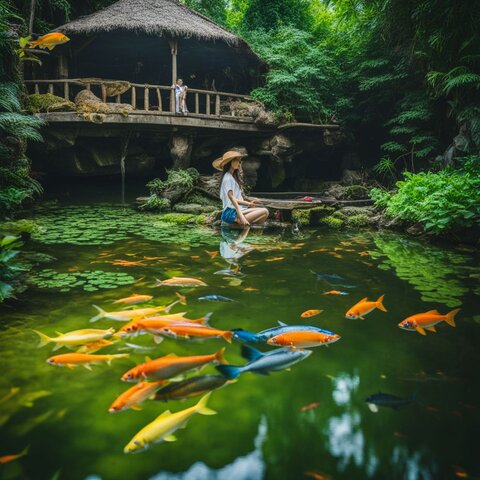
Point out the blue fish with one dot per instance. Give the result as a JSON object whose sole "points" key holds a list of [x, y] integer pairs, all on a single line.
{"points": [[263, 363], [387, 400], [215, 298], [264, 335], [332, 279]]}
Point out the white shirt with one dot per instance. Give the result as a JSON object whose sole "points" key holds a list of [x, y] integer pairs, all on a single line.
{"points": [[229, 183]]}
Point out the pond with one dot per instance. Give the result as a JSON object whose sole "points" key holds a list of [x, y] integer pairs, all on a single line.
{"points": [[310, 421]]}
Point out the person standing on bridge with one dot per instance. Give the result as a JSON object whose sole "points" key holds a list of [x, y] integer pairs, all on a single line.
{"points": [[180, 97], [236, 208]]}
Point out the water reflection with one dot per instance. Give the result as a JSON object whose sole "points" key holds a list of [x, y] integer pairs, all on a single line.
{"points": [[247, 467], [233, 246], [345, 438]]}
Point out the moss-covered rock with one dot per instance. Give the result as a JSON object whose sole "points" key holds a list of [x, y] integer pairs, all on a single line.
{"points": [[317, 213], [47, 102], [155, 203], [356, 192], [360, 220], [332, 222], [193, 208], [301, 216], [200, 199]]}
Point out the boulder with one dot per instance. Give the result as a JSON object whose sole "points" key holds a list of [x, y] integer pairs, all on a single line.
{"points": [[194, 208]]}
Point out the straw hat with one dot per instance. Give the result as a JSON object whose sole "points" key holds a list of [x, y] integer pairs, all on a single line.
{"points": [[219, 163]]}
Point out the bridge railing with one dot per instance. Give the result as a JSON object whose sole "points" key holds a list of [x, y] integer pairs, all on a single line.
{"points": [[154, 99]]}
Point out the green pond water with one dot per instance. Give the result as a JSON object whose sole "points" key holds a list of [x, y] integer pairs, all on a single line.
{"points": [[262, 429]]}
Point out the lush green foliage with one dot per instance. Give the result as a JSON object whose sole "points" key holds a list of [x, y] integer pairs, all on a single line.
{"points": [[9, 268], [440, 201]]}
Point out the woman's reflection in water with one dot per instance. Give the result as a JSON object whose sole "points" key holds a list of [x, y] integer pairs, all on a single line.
{"points": [[233, 246]]}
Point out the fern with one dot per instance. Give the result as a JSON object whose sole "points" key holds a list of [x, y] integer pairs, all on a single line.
{"points": [[9, 100], [22, 126]]}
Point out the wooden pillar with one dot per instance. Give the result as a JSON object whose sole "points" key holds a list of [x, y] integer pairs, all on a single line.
{"points": [[62, 66], [174, 50]]}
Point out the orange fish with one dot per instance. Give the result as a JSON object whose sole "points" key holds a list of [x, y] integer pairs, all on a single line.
{"points": [[170, 366], [213, 255], [135, 395], [333, 292], [11, 458], [310, 406], [303, 339], [128, 263], [154, 326], [310, 313], [363, 307], [50, 40], [134, 299], [73, 359], [197, 331], [427, 321], [181, 298], [195, 257], [363, 254], [275, 259], [316, 475], [250, 289], [181, 282]]}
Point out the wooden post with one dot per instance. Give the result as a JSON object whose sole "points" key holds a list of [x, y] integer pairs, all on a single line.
{"points": [[146, 100], [207, 109], [217, 105], [117, 99], [174, 50], [62, 66], [134, 98], [50, 88], [89, 87], [159, 98], [66, 92], [197, 104], [37, 90], [104, 93]]}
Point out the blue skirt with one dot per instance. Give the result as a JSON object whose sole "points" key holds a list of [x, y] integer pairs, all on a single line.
{"points": [[229, 215]]}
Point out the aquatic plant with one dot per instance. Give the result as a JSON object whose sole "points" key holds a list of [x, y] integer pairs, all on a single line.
{"points": [[90, 281], [178, 218], [433, 271], [155, 203], [104, 225]]}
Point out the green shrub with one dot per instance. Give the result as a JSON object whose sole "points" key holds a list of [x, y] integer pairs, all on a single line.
{"points": [[155, 203], [439, 201]]}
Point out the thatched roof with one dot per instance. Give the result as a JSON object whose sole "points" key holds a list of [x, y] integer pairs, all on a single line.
{"points": [[161, 17]]}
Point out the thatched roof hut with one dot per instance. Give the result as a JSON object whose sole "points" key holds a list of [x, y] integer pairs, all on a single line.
{"points": [[153, 17], [143, 41]]}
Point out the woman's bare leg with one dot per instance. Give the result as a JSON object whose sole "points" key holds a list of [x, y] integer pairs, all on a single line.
{"points": [[257, 215]]}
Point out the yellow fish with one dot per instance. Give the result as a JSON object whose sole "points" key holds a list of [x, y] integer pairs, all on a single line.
{"points": [[133, 299], [75, 338], [94, 346], [50, 40], [181, 282], [126, 315], [164, 426]]}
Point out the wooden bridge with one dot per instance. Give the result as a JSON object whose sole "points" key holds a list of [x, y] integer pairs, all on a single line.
{"points": [[153, 105]]}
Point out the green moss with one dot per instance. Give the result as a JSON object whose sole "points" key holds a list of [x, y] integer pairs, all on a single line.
{"points": [[201, 219], [356, 192], [178, 218], [360, 220], [301, 216], [332, 222], [18, 227], [46, 102], [317, 213]]}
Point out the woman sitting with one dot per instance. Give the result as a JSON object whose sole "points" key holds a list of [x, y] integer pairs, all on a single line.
{"points": [[236, 208]]}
